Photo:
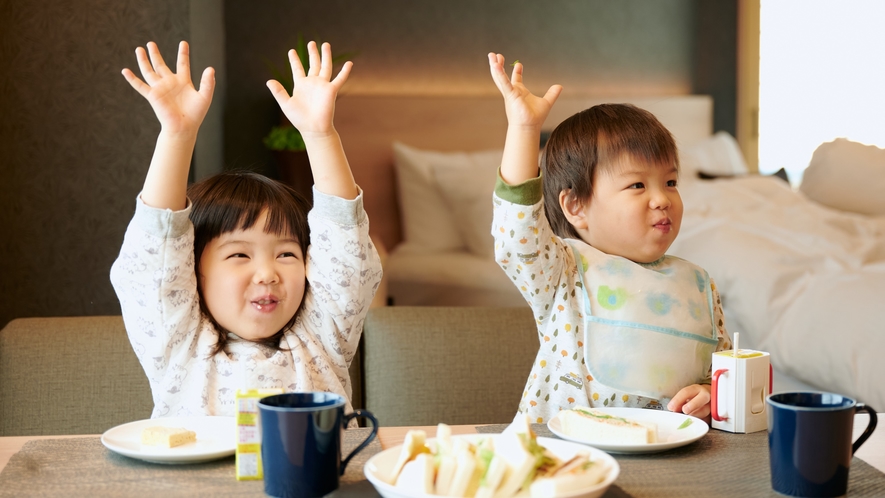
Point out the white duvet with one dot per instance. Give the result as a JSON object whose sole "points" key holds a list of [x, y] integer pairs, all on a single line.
{"points": [[799, 280]]}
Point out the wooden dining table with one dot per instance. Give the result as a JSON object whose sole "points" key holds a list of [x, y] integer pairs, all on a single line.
{"points": [[674, 464], [388, 436]]}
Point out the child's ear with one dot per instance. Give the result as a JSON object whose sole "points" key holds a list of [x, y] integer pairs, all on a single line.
{"points": [[573, 209]]}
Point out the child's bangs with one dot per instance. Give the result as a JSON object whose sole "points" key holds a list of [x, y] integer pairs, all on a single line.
{"points": [[235, 201], [653, 148], [282, 218]]}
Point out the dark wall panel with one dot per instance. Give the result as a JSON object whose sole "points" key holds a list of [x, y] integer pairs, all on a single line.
{"points": [[715, 60], [591, 47], [75, 142]]}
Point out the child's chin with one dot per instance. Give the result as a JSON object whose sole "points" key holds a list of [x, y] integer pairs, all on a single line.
{"points": [[260, 334], [649, 258]]}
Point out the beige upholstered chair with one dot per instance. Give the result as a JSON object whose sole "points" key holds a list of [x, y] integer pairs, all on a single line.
{"points": [[417, 366], [71, 375], [464, 365]]}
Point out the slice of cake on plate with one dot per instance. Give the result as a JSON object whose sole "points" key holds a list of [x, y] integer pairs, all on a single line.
{"points": [[169, 437]]}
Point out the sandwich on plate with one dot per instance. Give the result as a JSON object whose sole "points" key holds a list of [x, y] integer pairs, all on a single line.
{"points": [[593, 425], [511, 464]]}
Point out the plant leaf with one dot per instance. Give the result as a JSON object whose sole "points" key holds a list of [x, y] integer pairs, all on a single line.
{"points": [[284, 138]]}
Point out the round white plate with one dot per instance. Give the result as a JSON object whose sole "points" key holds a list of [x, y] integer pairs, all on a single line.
{"points": [[216, 438], [669, 434], [381, 464]]}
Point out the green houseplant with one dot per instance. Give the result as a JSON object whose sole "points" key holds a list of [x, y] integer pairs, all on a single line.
{"points": [[284, 140]]}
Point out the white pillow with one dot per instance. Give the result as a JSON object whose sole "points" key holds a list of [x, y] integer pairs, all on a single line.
{"points": [[719, 155], [847, 175], [467, 181], [427, 223]]}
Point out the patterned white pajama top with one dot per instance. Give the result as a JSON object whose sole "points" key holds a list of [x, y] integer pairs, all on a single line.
{"points": [[156, 284], [543, 267]]}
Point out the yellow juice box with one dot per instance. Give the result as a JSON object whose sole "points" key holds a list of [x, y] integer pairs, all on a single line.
{"points": [[248, 463]]}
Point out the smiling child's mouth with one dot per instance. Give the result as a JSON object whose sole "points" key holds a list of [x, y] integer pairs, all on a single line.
{"points": [[265, 304]]}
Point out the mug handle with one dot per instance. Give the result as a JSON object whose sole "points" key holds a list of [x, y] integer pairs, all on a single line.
{"points": [[871, 426], [367, 414], [714, 396]]}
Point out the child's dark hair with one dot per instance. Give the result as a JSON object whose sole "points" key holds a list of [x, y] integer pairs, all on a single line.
{"points": [[600, 135], [234, 200]]}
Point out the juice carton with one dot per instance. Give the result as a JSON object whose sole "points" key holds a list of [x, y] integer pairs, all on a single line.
{"points": [[741, 382], [248, 460]]}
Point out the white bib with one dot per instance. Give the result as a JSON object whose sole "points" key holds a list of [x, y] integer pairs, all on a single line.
{"points": [[648, 328]]}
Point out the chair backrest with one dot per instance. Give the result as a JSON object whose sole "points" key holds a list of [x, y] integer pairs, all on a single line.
{"points": [[418, 366], [464, 365], [69, 375]]}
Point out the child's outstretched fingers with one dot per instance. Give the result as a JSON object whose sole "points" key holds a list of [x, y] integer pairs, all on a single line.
{"points": [[207, 83], [516, 74], [311, 106], [496, 66], [278, 91], [522, 107], [321, 65], [147, 72], [552, 94], [314, 59], [145, 66], [295, 62], [135, 82], [183, 64], [183, 70], [157, 62], [178, 105], [343, 74], [326, 62]]}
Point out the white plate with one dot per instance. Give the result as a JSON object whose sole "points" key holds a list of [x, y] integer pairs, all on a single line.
{"points": [[382, 464], [669, 434], [216, 438]]}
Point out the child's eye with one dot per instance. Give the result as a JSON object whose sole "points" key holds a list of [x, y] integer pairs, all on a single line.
{"points": [[671, 183], [288, 255], [238, 255], [637, 185]]}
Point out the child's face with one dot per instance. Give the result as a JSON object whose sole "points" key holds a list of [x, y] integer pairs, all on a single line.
{"points": [[634, 211], [252, 281]]}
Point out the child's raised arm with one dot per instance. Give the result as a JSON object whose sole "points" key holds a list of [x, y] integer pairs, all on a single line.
{"points": [[180, 109], [311, 109], [525, 116]]}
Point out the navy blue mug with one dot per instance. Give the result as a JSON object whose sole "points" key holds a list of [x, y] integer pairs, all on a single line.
{"points": [[301, 437], [809, 442]]}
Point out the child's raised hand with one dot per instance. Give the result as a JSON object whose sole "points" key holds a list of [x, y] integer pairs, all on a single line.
{"points": [[310, 109], [178, 105], [311, 106], [522, 107]]}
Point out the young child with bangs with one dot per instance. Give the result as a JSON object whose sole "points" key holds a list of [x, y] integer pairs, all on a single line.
{"points": [[236, 281], [620, 322]]}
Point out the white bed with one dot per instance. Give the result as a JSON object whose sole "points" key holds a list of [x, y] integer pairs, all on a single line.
{"points": [[798, 279]]}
